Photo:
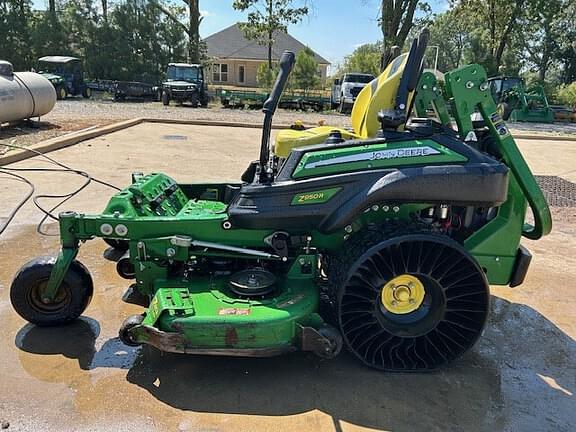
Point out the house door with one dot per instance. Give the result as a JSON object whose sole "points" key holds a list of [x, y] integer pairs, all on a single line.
{"points": [[241, 74]]}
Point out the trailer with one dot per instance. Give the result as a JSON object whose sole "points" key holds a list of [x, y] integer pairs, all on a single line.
{"points": [[122, 90], [290, 100]]}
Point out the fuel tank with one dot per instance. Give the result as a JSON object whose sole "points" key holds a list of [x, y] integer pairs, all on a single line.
{"points": [[24, 95]]}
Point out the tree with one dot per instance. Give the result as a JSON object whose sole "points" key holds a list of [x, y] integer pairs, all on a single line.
{"points": [[450, 34], [544, 21], [190, 28], [104, 4], [49, 36], [275, 17], [397, 19], [567, 94], [305, 75], [565, 56], [364, 59], [266, 76], [15, 16], [492, 24]]}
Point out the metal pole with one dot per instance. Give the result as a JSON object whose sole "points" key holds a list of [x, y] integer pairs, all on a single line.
{"points": [[437, 53]]}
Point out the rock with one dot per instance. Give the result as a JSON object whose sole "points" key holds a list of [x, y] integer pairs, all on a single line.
{"points": [[4, 424]]}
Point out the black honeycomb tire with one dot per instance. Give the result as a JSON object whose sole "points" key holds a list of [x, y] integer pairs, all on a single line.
{"points": [[448, 323]]}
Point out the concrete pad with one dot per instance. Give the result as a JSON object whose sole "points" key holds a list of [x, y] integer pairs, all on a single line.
{"points": [[520, 376], [556, 158]]}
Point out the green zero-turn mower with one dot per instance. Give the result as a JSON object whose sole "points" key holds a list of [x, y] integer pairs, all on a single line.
{"points": [[383, 241]]}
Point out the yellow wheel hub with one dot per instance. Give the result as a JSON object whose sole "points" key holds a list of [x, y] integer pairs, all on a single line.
{"points": [[403, 294]]}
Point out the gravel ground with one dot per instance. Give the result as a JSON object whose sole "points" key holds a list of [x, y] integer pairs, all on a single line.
{"points": [[77, 114]]}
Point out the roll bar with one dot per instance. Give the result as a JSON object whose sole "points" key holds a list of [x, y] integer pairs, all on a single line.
{"points": [[287, 62]]}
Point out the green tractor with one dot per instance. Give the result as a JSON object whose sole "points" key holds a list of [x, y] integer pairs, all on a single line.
{"points": [[66, 75], [383, 239], [516, 102]]}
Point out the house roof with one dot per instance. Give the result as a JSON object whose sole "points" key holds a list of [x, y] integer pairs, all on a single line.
{"points": [[231, 43]]}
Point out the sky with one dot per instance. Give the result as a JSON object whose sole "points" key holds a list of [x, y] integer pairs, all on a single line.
{"points": [[333, 28]]}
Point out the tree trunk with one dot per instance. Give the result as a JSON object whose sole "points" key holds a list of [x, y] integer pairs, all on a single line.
{"points": [[105, 10], [52, 7], [194, 31], [192, 28], [270, 33], [396, 21], [509, 27]]}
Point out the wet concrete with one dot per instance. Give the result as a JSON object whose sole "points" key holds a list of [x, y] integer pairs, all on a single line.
{"points": [[521, 376]]}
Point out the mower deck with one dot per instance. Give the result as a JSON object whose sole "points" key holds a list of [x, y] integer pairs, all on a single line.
{"points": [[207, 317]]}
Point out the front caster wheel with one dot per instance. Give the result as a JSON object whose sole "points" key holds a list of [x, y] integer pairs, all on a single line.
{"points": [[72, 298], [333, 344], [128, 324], [410, 303]]}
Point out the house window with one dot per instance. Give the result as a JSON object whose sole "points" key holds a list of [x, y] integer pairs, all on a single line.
{"points": [[220, 73], [241, 74]]}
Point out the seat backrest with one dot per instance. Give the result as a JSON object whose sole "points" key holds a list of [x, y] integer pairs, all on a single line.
{"points": [[379, 95]]}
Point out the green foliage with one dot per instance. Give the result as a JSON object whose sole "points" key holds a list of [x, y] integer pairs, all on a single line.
{"points": [[266, 76], [364, 59], [15, 16], [134, 42], [277, 15], [450, 34], [567, 94], [305, 75]]}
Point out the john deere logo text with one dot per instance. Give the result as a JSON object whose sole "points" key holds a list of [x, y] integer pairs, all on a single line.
{"points": [[404, 152]]}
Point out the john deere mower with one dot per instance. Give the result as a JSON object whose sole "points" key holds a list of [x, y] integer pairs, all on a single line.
{"points": [[383, 238]]}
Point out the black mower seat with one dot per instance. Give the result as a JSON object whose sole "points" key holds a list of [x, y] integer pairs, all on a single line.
{"points": [[379, 95]]}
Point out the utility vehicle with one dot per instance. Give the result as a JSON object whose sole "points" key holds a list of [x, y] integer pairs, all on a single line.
{"points": [[185, 83], [66, 75], [383, 239]]}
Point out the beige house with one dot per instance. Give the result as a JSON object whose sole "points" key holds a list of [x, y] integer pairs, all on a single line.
{"points": [[236, 59]]}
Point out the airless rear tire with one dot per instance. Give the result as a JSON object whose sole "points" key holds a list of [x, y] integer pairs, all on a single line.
{"points": [[72, 298], [409, 303]]}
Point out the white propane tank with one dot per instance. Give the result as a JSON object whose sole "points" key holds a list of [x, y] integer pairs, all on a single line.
{"points": [[24, 95]]}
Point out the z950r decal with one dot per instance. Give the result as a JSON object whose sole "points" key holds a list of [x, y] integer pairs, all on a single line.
{"points": [[406, 152]]}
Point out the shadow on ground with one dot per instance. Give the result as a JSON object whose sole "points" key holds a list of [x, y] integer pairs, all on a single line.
{"points": [[26, 127], [521, 376]]}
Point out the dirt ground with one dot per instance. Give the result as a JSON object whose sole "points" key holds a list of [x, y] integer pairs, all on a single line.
{"points": [[521, 376]]}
